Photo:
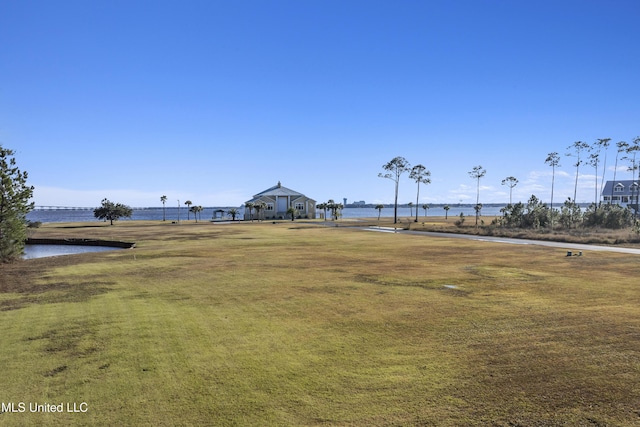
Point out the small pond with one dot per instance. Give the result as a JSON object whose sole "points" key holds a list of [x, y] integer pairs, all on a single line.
{"points": [[41, 251]]}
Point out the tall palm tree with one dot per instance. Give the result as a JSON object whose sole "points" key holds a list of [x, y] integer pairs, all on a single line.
{"points": [[553, 160], [419, 174], [446, 211], [632, 150], [395, 168], [249, 205], [379, 208], [622, 147], [188, 203], [163, 199], [511, 181], [594, 160], [476, 173], [578, 147], [603, 143], [636, 144]]}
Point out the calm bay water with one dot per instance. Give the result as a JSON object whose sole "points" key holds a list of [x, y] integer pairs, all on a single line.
{"points": [[41, 251], [172, 214]]}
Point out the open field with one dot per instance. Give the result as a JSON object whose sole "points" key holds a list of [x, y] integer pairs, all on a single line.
{"points": [[296, 324]]}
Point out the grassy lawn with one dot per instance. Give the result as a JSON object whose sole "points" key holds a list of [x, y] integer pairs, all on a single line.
{"points": [[295, 324]]}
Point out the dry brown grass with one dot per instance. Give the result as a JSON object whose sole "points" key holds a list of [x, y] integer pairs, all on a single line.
{"points": [[600, 236], [295, 324]]}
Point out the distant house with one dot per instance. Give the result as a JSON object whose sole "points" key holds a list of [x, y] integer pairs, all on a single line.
{"points": [[278, 199], [623, 193]]}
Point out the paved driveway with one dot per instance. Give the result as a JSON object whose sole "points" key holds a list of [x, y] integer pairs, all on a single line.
{"points": [[507, 240]]}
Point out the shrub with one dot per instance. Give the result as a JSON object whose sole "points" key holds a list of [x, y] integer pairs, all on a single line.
{"points": [[608, 216], [570, 214]]}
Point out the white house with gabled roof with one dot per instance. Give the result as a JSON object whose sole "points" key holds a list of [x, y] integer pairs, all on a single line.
{"points": [[278, 200]]}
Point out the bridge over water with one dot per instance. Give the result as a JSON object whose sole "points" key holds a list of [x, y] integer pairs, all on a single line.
{"points": [[84, 208], [66, 208]]}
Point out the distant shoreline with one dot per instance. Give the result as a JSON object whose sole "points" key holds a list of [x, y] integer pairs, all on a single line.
{"points": [[350, 211], [347, 206]]}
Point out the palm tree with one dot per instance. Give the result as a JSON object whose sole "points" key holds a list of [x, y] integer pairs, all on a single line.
{"points": [[323, 206], [622, 147], [334, 208], [195, 210], [163, 199], [330, 206], [603, 143], [594, 160], [476, 173], [426, 208], [188, 203], [395, 168], [259, 207], [446, 212], [553, 160], [293, 212], [249, 206], [411, 209], [419, 174], [233, 213], [379, 208], [633, 150], [511, 181], [577, 147]]}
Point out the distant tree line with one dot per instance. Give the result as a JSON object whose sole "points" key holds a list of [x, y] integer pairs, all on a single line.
{"points": [[535, 213]]}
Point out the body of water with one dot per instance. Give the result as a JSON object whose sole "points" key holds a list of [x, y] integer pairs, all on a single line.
{"points": [[172, 214], [41, 251]]}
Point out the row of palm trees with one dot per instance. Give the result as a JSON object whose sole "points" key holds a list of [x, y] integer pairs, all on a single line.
{"points": [[195, 209], [332, 206], [425, 206], [258, 206], [261, 206]]}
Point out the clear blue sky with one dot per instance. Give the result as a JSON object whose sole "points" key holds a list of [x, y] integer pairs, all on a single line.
{"points": [[214, 101]]}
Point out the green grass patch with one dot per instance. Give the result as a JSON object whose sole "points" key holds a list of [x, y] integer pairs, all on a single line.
{"points": [[291, 324]]}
